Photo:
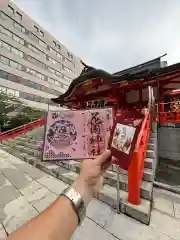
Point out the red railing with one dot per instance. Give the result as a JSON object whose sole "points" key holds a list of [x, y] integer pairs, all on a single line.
{"points": [[135, 171], [169, 117], [21, 129]]}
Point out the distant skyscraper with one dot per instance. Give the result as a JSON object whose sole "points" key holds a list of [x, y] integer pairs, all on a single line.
{"points": [[34, 66]]}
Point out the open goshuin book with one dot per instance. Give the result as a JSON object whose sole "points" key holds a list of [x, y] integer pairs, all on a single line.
{"points": [[77, 134]]}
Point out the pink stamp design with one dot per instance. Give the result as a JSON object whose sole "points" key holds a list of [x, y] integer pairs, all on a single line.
{"points": [[77, 134]]}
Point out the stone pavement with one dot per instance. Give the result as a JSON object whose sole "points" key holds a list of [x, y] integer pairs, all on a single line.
{"points": [[26, 191]]}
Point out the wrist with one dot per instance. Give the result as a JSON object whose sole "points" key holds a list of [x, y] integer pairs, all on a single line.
{"points": [[82, 188]]}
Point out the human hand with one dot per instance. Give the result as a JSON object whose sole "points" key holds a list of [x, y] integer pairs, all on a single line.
{"points": [[90, 180]]}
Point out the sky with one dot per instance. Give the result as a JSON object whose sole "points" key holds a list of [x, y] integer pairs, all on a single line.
{"points": [[111, 34]]}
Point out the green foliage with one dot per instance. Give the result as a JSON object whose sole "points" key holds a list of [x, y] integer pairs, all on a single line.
{"points": [[14, 113]]}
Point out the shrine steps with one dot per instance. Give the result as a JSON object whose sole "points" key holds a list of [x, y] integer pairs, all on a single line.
{"points": [[28, 148], [110, 177]]}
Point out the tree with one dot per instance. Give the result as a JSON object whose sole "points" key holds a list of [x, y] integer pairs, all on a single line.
{"points": [[13, 113]]}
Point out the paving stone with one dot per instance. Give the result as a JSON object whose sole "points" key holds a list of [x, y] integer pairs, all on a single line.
{"points": [[165, 224], [44, 202], [2, 180], [124, 227], [140, 212], [19, 179], [31, 171], [7, 193], [89, 230], [34, 192], [6, 165], [164, 237], [16, 213], [53, 184], [3, 234], [177, 210], [158, 192], [98, 211], [14, 160], [164, 205]]}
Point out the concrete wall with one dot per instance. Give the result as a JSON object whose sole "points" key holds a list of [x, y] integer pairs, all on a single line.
{"points": [[169, 142]]}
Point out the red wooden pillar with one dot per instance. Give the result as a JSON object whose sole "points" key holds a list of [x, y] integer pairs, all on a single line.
{"points": [[140, 97], [161, 97]]}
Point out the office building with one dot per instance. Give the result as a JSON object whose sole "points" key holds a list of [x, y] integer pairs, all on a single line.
{"points": [[34, 66]]}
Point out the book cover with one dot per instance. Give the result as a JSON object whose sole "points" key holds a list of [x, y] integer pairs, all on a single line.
{"points": [[124, 136]]}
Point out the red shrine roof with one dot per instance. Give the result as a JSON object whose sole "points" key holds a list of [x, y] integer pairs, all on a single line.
{"points": [[96, 84]]}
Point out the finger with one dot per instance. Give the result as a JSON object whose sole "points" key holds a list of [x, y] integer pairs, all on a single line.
{"points": [[103, 157], [105, 166]]}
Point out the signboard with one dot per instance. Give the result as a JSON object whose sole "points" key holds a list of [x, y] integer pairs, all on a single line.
{"points": [[77, 134], [124, 136]]}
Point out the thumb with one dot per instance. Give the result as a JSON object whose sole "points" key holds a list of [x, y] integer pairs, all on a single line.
{"points": [[103, 157]]}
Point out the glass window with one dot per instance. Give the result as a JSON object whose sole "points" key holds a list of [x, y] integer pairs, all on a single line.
{"points": [[39, 75], [21, 41], [51, 70], [18, 15], [3, 74], [13, 64], [57, 83], [58, 74], [4, 16], [21, 54], [10, 92], [67, 78], [52, 50], [32, 48], [1, 29], [23, 29], [17, 25], [50, 80], [7, 32], [42, 44], [53, 60], [20, 67], [4, 60], [54, 43], [16, 38], [16, 93], [15, 51], [41, 33], [59, 56], [30, 71], [2, 89], [58, 46], [10, 9]]}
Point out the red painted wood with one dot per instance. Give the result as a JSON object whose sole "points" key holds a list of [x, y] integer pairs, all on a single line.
{"points": [[21, 129]]}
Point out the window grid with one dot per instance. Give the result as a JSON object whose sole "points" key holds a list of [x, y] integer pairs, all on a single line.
{"points": [[11, 49], [22, 29], [26, 82]]}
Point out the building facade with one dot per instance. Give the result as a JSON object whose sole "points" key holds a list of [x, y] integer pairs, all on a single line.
{"points": [[34, 66]]}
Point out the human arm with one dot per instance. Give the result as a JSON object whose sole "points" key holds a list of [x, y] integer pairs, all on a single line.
{"points": [[59, 221]]}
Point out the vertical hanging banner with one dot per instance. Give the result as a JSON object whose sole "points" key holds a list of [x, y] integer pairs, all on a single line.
{"points": [[77, 134], [124, 136]]}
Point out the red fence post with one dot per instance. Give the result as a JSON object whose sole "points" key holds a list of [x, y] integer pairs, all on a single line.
{"points": [[135, 171], [134, 180]]}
